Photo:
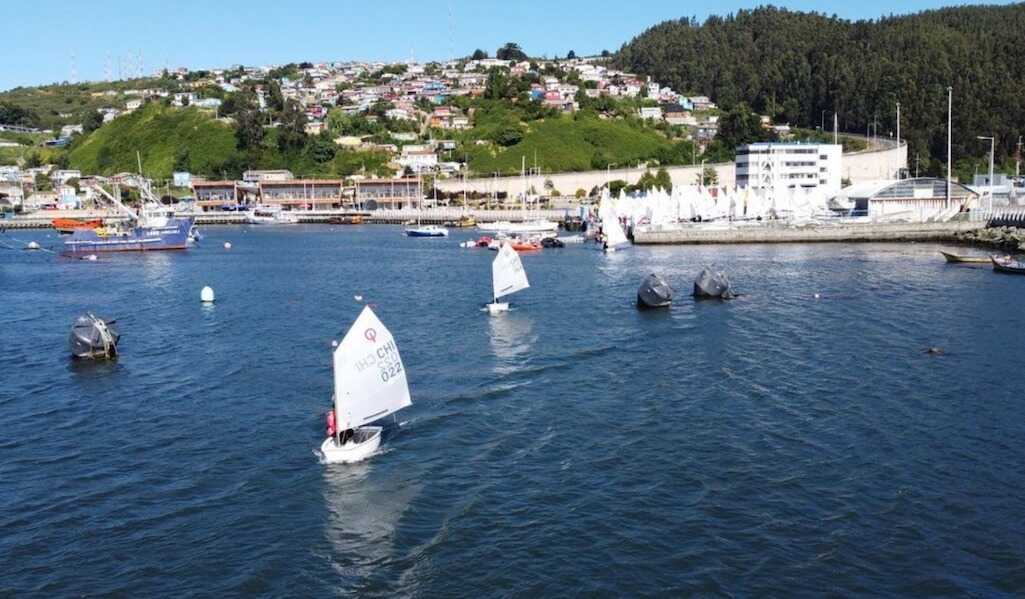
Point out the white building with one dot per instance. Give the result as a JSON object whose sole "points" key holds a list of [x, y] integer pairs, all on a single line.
{"points": [[804, 166]]}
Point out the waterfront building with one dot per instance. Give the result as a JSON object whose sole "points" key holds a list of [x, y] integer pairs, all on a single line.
{"points": [[789, 165], [910, 199], [214, 194], [304, 194], [372, 194]]}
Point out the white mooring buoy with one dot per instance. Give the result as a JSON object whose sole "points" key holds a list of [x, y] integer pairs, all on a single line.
{"points": [[207, 295], [32, 245], [227, 245]]}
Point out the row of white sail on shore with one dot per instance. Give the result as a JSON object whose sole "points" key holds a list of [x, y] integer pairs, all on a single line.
{"points": [[659, 209]]}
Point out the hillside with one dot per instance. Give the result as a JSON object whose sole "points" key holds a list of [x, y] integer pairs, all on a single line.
{"points": [[798, 66], [565, 143], [46, 104], [162, 136]]}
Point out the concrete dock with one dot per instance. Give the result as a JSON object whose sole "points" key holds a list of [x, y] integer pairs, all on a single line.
{"points": [[768, 233]]}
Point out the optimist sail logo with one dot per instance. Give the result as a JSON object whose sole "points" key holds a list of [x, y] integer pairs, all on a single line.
{"points": [[370, 335]]}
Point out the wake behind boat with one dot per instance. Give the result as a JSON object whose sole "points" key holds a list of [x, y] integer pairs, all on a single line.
{"points": [[369, 384]]}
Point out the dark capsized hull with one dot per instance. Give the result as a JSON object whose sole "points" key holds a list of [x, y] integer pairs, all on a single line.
{"points": [[654, 292], [172, 236], [712, 285], [93, 337]]}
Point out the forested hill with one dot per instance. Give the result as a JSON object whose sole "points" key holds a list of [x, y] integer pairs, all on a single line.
{"points": [[796, 65]]}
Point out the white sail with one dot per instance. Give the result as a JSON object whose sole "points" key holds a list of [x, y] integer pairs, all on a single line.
{"points": [[614, 234], [507, 272], [370, 380]]}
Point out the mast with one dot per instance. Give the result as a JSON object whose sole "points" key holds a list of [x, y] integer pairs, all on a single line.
{"points": [[950, 120]]}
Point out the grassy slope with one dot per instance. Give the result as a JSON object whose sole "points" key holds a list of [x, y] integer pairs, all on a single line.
{"points": [[156, 132], [565, 144], [49, 101]]}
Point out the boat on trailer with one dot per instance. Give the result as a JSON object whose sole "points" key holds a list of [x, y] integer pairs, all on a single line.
{"points": [[369, 384]]}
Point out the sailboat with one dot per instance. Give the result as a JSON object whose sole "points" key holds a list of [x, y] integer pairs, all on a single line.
{"points": [[421, 230], [613, 231], [507, 276], [369, 384]]}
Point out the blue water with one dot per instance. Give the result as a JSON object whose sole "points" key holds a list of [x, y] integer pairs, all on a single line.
{"points": [[778, 444]]}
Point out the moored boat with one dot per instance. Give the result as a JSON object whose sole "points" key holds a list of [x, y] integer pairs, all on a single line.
{"points": [[155, 228], [960, 259], [1008, 265], [67, 226], [427, 231]]}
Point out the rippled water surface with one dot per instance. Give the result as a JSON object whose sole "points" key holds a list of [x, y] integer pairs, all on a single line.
{"points": [[778, 444]]}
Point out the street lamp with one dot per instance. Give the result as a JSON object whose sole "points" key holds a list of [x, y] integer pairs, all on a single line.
{"points": [[992, 149], [950, 112]]}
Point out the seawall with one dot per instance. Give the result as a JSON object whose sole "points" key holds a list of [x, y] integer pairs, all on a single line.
{"points": [[819, 233]]}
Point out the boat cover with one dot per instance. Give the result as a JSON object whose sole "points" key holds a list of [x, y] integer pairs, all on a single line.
{"points": [[654, 292], [713, 284], [92, 337]]}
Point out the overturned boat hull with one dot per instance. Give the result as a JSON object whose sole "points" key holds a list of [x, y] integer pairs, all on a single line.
{"points": [[654, 292]]}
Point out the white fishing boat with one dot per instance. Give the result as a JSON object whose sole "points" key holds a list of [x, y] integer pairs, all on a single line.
{"points": [[507, 277], [270, 215], [527, 227], [614, 235], [369, 384]]}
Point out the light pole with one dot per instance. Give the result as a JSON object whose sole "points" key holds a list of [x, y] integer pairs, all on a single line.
{"points": [[992, 149], [950, 120], [898, 136], [822, 121]]}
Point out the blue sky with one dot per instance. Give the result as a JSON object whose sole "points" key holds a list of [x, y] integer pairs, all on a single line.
{"points": [[43, 39]]}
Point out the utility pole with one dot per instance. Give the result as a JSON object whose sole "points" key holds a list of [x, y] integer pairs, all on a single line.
{"points": [[898, 137], [992, 149], [836, 123], [950, 120], [916, 165], [1017, 161]]}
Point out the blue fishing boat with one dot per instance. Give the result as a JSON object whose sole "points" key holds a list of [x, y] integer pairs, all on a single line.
{"points": [[154, 228], [171, 234]]}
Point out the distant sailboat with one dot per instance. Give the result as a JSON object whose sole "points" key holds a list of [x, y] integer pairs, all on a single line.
{"points": [[369, 384], [613, 231], [507, 276]]}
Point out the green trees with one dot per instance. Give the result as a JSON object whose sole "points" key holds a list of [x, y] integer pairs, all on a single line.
{"points": [[181, 160], [292, 128], [479, 54], [511, 51], [740, 125], [11, 114], [802, 68], [93, 120]]}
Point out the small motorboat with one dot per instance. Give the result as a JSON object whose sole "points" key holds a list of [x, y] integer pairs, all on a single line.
{"points": [[67, 226], [93, 338], [959, 259], [713, 285], [427, 231], [1008, 265], [552, 242], [348, 219], [654, 292]]}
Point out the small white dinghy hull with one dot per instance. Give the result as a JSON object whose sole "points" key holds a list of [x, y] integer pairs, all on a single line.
{"points": [[365, 441], [498, 308]]}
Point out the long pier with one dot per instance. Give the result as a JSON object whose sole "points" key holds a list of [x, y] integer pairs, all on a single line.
{"points": [[429, 216], [768, 233]]}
